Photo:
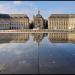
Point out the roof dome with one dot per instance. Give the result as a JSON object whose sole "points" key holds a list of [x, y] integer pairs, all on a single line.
{"points": [[38, 15]]}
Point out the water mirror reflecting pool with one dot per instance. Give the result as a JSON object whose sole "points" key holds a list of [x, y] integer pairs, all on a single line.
{"points": [[37, 53]]}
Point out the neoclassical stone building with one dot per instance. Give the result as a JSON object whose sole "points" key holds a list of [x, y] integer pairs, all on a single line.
{"points": [[4, 21], [19, 21], [14, 21], [71, 23], [58, 21], [61, 21], [38, 21]]}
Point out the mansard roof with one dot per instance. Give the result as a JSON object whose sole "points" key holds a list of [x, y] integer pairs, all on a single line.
{"points": [[13, 16], [19, 16], [62, 16], [4, 16]]}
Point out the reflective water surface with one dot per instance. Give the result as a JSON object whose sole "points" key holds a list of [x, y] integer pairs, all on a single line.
{"points": [[37, 53]]}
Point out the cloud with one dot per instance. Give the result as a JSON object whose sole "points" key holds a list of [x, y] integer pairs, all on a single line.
{"points": [[3, 9], [17, 2], [24, 7], [8, 9], [56, 12], [28, 3]]}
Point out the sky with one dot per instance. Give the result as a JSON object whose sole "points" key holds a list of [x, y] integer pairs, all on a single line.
{"points": [[31, 8]]}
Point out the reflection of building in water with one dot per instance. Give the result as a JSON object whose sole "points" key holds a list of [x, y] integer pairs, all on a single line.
{"points": [[61, 37], [20, 37], [38, 37], [61, 21], [71, 37], [14, 37], [38, 21], [14, 21], [57, 37], [5, 37]]}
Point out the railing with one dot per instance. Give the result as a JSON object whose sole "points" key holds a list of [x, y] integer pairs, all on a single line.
{"points": [[35, 31]]}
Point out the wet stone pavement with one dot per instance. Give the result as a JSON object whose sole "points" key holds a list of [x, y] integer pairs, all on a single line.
{"points": [[32, 55]]}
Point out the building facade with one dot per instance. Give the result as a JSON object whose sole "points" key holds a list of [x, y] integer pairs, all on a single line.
{"points": [[4, 21], [38, 21], [19, 21], [58, 22], [14, 21], [71, 23], [61, 37]]}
